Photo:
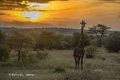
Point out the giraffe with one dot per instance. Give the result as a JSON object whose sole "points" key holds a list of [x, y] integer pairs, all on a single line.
{"points": [[79, 49]]}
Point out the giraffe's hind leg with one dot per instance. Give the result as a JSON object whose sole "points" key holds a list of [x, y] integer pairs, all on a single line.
{"points": [[75, 62]]}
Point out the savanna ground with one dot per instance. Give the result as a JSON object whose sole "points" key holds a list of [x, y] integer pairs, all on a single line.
{"points": [[107, 64]]}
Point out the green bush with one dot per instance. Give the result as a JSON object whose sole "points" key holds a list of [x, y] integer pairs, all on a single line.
{"points": [[59, 70], [4, 53], [86, 74], [28, 58], [98, 42], [32, 58], [90, 51], [112, 42], [42, 55]]}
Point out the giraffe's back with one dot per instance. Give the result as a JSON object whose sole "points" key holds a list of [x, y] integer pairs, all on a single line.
{"points": [[78, 51]]}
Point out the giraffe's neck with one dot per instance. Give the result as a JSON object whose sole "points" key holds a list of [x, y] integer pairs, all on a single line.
{"points": [[81, 44]]}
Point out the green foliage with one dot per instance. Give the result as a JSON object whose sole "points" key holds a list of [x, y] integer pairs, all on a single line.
{"points": [[28, 58], [112, 42], [32, 59], [86, 74], [59, 70], [4, 52], [51, 40], [4, 49], [59, 42], [90, 51], [69, 41], [42, 55], [24, 57], [98, 42], [76, 39], [18, 41], [47, 40]]}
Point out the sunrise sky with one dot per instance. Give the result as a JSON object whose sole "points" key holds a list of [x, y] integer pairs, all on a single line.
{"points": [[59, 13]]}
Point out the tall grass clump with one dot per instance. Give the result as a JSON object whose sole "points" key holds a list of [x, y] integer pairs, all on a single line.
{"points": [[60, 70], [86, 74]]}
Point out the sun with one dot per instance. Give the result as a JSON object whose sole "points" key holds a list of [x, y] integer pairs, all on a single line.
{"points": [[33, 16]]}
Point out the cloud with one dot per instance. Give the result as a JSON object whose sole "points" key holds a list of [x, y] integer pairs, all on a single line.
{"points": [[112, 1], [19, 4], [38, 1], [4, 14], [45, 1], [11, 5]]}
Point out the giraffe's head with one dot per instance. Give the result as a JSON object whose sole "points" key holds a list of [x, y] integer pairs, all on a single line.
{"points": [[83, 23]]}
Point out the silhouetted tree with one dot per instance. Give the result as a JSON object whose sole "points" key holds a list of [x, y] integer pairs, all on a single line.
{"points": [[98, 30]]}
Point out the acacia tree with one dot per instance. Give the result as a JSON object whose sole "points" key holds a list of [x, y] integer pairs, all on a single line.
{"points": [[4, 49], [18, 41], [98, 30]]}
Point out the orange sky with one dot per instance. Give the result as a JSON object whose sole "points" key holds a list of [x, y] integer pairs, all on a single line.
{"points": [[59, 13]]}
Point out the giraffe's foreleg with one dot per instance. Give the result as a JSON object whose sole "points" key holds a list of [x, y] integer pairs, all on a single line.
{"points": [[81, 63], [78, 62]]}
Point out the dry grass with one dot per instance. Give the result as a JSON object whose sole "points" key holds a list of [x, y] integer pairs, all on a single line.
{"points": [[105, 63]]}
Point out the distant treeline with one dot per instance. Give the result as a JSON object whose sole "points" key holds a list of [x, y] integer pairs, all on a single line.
{"points": [[64, 31]]}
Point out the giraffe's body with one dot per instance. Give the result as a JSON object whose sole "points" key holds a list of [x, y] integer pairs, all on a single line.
{"points": [[79, 49]]}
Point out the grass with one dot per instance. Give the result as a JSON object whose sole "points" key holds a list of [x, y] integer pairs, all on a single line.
{"points": [[107, 64]]}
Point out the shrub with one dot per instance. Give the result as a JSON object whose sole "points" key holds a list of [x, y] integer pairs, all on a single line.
{"points": [[98, 42], [86, 74], [112, 42], [4, 53], [59, 70], [42, 55], [90, 51], [32, 58], [28, 58]]}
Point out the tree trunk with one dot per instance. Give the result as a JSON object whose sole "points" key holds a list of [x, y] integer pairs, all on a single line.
{"points": [[19, 55]]}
